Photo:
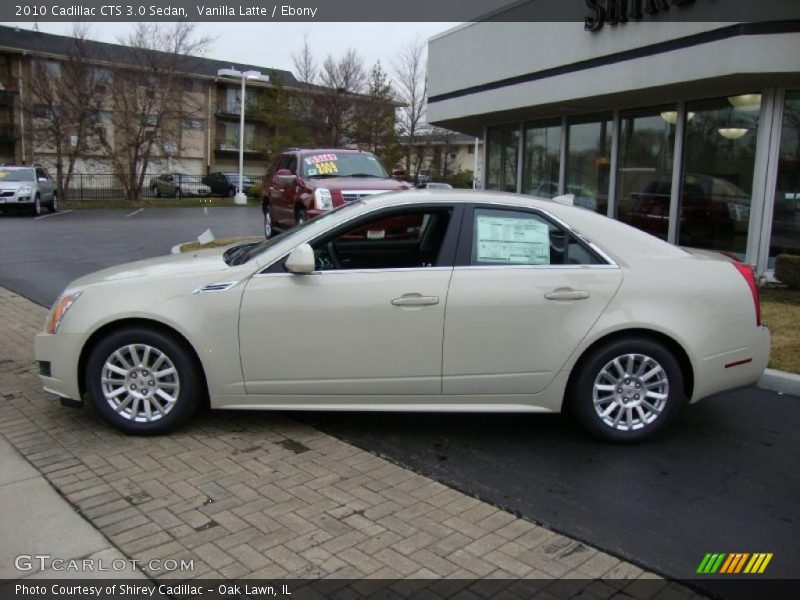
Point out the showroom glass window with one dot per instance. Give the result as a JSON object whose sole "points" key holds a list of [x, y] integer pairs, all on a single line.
{"points": [[785, 237], [589, 162], [542, 158], [718, 163], [502, 154], [644, 178]]}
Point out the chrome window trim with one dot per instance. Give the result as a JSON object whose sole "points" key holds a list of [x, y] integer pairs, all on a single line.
{"points": [[611, 262], [349, 271]]}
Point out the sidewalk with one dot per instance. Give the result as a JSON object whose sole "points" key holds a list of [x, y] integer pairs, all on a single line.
{"points": [[258, 495]]}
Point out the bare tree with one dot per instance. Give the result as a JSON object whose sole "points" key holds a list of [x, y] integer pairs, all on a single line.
{"points": [[412, 88], [375, 127], [304, 63], [344, 79], [147, 99], [64, 101]]}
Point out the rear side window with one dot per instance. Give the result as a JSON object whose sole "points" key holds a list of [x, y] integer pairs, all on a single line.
{"points": [[510, 237]]}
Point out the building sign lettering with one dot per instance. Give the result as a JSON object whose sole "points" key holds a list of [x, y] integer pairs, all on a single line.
{"points": [[615, 12]]}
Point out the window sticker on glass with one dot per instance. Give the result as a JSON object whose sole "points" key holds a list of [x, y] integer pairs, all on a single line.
{"points": [[320, 158], [512, 241], [312, 172]]}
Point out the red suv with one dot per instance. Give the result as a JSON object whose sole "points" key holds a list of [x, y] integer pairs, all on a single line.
{"points": [[302, 184]]}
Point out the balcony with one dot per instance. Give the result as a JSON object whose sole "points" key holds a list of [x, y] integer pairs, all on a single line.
{"points": [[7, 97], [232, 146], [231, 111], [9, 133]]}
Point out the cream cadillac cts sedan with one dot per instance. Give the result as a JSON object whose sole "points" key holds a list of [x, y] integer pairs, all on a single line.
{"points": [[415, 301]]}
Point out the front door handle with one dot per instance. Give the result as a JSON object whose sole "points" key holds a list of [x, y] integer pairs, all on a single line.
{"points": [[567, 294], [415, 300]]}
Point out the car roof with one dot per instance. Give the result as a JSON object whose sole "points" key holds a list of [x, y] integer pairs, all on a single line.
{"points": [[321, 150], [20, 167]]}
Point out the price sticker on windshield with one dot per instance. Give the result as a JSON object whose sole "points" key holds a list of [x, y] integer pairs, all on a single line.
{"points": [[320, 158], [327, 168]]}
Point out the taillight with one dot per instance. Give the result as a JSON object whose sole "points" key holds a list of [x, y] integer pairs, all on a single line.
{"points": [[750, 277]]}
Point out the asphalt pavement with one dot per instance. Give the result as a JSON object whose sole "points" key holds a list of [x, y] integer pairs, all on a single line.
{"points": [[39, 257], [724, 478]]}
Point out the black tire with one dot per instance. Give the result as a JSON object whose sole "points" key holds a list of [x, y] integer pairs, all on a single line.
{"points": [[581, 393], [269, 228], [178, 193], [300, 216], [190, 392], [231, 192], [36, 209], [156, 191], [54, 204]]}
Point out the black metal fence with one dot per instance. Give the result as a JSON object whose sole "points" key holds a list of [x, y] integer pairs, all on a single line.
{"points": [[87, 187]]}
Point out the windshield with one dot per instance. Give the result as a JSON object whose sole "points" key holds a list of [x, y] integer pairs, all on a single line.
{"points": [[239, 255], [344, 164], [16, 174]]}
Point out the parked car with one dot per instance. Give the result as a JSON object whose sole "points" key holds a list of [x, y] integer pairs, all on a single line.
{"points": [[27, 188], [435, 185], [302, 184], [226, 184], [497, 303], [178, 185], [712, 208]]}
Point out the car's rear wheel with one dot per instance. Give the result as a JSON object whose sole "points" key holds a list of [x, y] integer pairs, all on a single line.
{"points": [[36, 210], [627, 390], [231, 192], [143, 381], [268, 231], [54, 204], [156, 191]]}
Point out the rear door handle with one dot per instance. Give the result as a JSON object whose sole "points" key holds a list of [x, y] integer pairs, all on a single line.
{"points": [[567, 294], [415, 300]]}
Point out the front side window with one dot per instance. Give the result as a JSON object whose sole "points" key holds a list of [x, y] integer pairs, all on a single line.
{"points": [[398, 240], [511, 237]]}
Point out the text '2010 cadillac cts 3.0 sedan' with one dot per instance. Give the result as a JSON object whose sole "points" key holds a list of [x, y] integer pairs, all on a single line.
{"points": [[417, 300]]}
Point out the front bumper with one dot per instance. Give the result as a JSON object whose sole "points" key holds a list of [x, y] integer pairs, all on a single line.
{"points": [[12, 203], [62, 352]]}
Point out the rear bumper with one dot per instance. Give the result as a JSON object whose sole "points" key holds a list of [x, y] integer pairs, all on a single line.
{"points": [[62, 352], [734, 369]]}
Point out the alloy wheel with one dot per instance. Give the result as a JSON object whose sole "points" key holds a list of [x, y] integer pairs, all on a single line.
{"points": [[267, 224], [140, 383], [630, 392]]}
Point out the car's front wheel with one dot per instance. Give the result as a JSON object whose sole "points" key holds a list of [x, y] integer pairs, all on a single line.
{"points": [[36, 210], [627, 390], [143, 381]]}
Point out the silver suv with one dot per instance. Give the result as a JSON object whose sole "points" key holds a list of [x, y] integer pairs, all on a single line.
{"points": [[28, 188]]}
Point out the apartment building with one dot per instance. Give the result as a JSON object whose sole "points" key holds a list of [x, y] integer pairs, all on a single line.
{"points": [[206, 140]]}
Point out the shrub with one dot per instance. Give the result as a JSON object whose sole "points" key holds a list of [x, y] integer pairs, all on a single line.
{"points": [[462, 179], [254, 191], [787, 270]]}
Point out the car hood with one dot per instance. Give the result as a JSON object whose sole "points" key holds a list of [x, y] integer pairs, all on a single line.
{"points": [[356, 183], [14, 185], [205, 262]]}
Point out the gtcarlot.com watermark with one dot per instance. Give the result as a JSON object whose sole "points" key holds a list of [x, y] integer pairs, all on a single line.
{"points": [[42, 562]]}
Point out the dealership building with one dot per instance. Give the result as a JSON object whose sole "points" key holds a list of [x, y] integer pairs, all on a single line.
{"points": [[687, 130]]}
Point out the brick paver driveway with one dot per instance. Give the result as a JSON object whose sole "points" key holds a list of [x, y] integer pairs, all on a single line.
{"points": [[258, 495]]}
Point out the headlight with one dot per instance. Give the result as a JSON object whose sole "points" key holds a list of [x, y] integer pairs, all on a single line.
{"points": [[323, 199], [60, 309], [24, 189]]}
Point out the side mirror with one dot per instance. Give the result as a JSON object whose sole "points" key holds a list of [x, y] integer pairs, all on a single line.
{"points": [[301, 260], [285, 176], [42, 179]]}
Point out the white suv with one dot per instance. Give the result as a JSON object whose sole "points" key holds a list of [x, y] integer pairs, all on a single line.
{"points": [[27, 188]]}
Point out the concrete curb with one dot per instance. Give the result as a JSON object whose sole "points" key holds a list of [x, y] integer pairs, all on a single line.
{"points": [[780, 381]]}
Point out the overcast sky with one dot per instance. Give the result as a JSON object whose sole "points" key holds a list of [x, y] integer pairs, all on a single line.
{"points": [[272, 44]]}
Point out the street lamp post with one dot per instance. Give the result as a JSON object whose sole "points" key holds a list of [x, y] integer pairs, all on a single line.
{"points": [[241, 197]]}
